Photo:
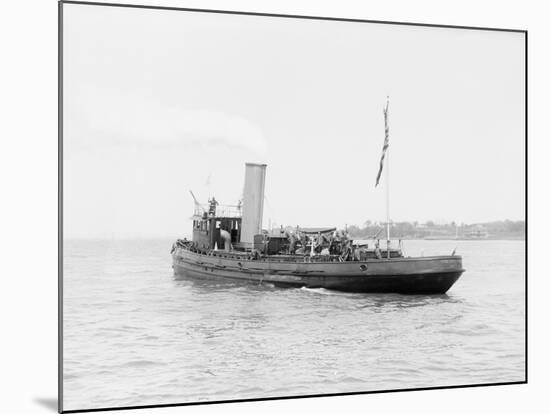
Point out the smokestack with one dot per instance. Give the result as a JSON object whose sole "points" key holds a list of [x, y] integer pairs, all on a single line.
{"points": [[253, 202]]}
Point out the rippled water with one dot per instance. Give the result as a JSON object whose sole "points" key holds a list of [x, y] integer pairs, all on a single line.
{"points": [[134, 334]]}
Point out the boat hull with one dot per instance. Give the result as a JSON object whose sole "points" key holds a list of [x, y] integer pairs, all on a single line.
{"points": [[422, 275]]}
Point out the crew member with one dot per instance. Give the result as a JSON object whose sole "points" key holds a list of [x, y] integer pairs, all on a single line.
{"points": [[226, 237], [377, 251], [291, 241], [357, 254], [212, 207]]}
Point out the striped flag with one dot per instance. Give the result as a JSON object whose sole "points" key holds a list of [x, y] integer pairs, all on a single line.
{"points": [[386, 144]]}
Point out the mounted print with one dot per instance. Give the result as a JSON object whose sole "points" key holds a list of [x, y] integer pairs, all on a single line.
{"points": [[258, 206]]}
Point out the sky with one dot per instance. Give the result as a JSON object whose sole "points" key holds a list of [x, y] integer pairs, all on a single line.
{"points": [[157, 103]]}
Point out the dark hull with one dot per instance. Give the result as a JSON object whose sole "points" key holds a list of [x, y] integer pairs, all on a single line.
{"points": [[423, 275]]}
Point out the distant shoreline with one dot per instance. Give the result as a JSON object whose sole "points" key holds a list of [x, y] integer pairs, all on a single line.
{"points": [[168, 239], [494, 230], [495, 238], [438, 238]]}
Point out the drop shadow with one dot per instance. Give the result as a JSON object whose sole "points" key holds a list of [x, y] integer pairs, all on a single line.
{"points": [[49, 403]]}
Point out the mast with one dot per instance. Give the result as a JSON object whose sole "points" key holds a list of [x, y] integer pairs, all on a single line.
{"points": [[385, 153], [387, 131], [388, 205]]}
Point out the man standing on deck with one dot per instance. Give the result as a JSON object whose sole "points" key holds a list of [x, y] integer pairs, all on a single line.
{"points": [[377, 251], [226, 237], [357, 253], [212, 208], [292, 241]]}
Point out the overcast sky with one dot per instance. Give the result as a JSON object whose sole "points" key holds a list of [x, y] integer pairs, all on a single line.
{"points": [[155, 102]]}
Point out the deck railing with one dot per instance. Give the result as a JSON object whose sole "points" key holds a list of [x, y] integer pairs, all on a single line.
{"points": [[222, 210]]}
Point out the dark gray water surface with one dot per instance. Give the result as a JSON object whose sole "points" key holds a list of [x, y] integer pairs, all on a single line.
{"points": [[134, 334]]}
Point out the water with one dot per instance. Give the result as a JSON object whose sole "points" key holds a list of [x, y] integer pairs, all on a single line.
{"points": [[134, 334]]}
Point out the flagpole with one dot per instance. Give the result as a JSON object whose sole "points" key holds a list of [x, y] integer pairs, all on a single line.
{"points": [[386, 154], [388, 201], [387, 181]]}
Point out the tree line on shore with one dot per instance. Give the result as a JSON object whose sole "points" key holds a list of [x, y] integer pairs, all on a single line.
{"points": [[414, 229]]}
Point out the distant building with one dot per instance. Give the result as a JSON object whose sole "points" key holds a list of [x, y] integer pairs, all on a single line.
{"points": [[476, 232]]}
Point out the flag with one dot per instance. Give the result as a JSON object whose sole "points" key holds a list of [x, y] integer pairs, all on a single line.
{"points": [[386, 143]]}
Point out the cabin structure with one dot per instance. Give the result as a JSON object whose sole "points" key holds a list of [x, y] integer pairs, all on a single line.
{"points": [[223, 226], [207, 227]]}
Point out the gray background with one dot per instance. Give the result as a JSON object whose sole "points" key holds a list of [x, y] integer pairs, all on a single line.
{"points": [[159, 102]]}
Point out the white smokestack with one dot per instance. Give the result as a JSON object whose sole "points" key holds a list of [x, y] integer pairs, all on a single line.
{"points": [[253, 202]]}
